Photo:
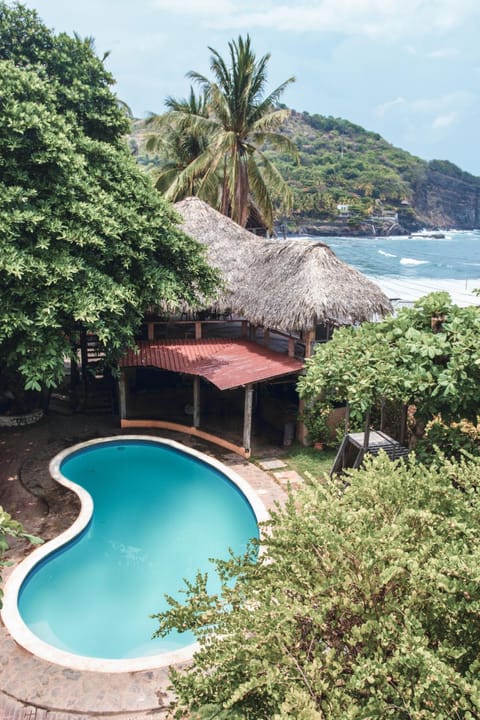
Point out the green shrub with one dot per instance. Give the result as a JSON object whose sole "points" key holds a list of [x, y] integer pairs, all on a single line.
{"points": [[364, 604]]}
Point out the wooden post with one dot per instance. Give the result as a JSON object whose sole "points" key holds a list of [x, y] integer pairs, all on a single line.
{"points": [[382, 415], [74, 374], [151, 331], [247, 417], [122, 395], [253, 332], [291, 347], [198, 330], [403, 425], [366, 435], [301, 429], [266, 337], [310, 337], [347, 418], [244, 328], [84, 356], [196, 401]]}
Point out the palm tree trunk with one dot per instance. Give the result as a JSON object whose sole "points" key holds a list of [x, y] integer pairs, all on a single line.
{"points": [[241, 191]]}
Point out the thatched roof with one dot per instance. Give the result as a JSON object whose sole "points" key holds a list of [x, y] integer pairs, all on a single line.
{"points": [[289, 285]]}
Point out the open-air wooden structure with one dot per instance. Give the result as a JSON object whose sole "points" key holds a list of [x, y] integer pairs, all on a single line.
{"points": [[278, 298]]}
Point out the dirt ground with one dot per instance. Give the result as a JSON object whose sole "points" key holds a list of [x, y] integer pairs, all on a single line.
{"points": [[27, 491]]}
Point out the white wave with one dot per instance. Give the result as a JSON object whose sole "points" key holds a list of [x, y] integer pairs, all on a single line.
{"points": [[410, 289], [412, 261], [385, 254]]}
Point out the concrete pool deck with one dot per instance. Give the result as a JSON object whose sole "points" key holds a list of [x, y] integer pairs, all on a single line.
{"points": [[32, 688]]}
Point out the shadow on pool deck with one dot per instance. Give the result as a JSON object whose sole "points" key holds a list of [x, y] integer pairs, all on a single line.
{"points": [[31, 688]]}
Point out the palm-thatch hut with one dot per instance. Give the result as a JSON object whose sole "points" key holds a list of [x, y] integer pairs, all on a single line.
{"points": [[287, 285], [284, 287]]}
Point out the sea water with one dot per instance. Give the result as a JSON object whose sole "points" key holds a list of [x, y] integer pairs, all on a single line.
{"points": [[407, 268]]}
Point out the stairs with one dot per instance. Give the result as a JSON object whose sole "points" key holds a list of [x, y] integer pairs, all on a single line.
{"points": [[98, 395], [99, 398]]}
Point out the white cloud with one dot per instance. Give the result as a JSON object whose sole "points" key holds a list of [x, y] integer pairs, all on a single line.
{"points": [[443, 104], [423, 115], [386, 106], [373, 18], [196, 7], [442, 53], [445, 120]]}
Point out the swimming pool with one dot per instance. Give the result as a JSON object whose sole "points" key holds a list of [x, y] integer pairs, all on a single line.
{"points": [[153, 513]]}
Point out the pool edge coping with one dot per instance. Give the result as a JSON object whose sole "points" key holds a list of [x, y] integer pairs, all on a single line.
{"points": [[10, 614]]}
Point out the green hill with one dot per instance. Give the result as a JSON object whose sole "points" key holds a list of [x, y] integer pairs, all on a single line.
{"points": [[379, 188]]}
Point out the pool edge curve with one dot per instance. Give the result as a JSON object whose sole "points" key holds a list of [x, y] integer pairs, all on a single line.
{"points": [[10, 614]]}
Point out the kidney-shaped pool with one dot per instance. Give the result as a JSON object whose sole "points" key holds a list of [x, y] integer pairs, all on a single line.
{"points": [[153, 513]]}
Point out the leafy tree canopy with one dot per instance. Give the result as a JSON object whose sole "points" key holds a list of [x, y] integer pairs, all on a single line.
{"points": [[363, 604], [85, 240], [427, 355]]}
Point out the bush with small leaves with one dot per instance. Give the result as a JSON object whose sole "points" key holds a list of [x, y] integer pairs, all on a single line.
{"points": [[364, 603]]}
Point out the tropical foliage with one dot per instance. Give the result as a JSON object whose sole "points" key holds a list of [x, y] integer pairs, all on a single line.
{"points": [[10, 528], [363, 604], [178, 147], [230, 127], [86, 241], [340, 162], [427, 356]]}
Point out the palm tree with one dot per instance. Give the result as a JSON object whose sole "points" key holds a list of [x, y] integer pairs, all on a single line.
{"points": [[177, 147], [240, 121]]}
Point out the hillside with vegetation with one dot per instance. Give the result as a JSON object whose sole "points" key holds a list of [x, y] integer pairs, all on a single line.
{"points": [[379, 188]]}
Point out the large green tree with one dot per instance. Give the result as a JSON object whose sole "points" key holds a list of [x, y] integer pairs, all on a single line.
{"points": [[363, 604], [242, 119], [426, 356], [85, 240]]}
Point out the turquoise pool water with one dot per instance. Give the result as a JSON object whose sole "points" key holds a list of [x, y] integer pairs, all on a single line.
{"points": [[159, 515]]}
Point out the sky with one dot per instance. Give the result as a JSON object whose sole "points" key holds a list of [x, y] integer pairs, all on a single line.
{"points": [[407, 69]]}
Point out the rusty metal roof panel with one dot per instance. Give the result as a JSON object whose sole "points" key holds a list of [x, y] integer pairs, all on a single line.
{"points": [[225, 363]]}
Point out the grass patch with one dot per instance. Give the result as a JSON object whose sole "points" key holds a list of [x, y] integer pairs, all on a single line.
{"points": [[309, 462]]}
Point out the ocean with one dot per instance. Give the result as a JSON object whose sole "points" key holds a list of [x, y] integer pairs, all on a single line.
{"points": [[407, 268]]}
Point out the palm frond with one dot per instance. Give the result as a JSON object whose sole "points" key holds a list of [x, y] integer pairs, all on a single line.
{"points": [[276, 140], [274, 180], [270, 119]]}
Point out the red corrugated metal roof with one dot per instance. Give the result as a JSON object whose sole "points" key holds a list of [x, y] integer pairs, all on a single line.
{"points": [[225, 363]]}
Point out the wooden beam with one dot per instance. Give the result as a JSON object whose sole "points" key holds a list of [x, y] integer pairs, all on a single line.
{"points": [[165, 425], [196, 401], [247, 417]]}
